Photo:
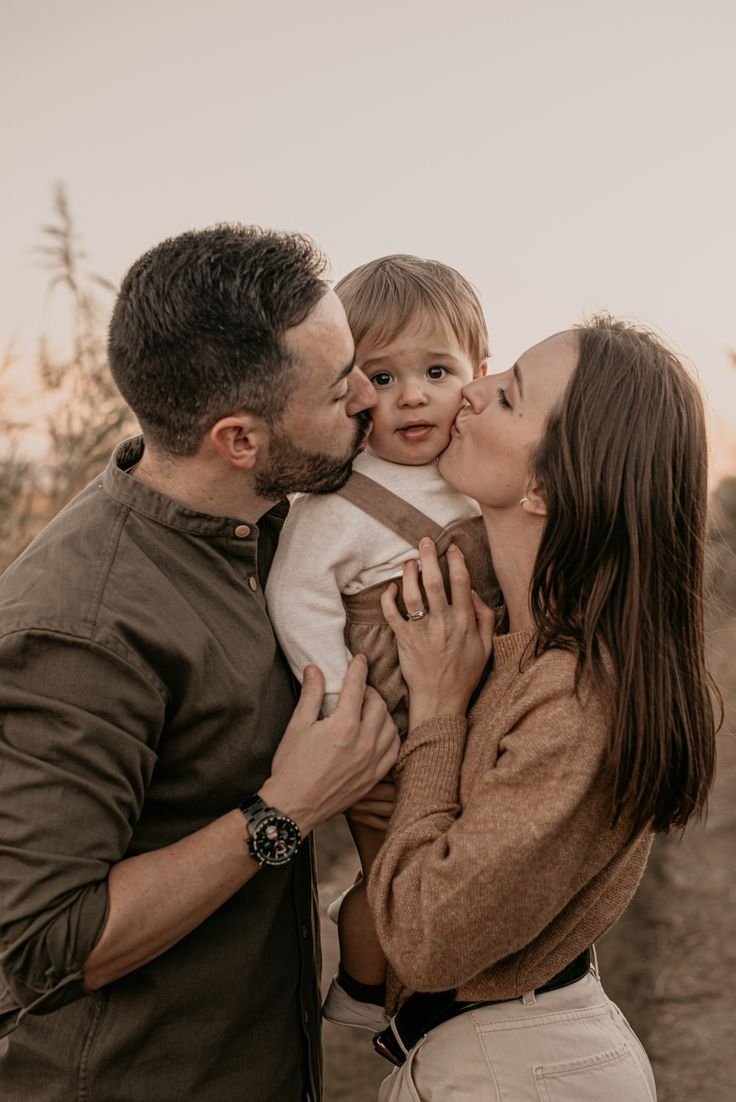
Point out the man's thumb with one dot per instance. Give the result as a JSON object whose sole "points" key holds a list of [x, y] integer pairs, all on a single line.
{"points": [[313, 690]]}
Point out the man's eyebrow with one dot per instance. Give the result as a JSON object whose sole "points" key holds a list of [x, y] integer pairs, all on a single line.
{"points": [[517, 375], [345, 371]]}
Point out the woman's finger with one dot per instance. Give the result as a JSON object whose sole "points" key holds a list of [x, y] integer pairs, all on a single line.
{"points": [[384, 790], [432, 576], [374, 821], [390, 610], [411, 592], [373, 807], [485, 619], [459, 579]]}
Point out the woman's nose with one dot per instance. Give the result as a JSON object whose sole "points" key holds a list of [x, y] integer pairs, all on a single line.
{"points": [[475, 393]]}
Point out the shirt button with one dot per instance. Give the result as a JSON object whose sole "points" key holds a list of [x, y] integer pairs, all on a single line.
{"points": [[253, 582], [306, 1017], [241, 531], [305, 932]]}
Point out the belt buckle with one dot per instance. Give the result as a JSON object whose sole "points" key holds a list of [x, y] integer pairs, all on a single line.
{"points": [[387, 1050]]}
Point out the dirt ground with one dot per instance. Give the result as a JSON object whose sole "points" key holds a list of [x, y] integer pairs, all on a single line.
{"points": [[670, 962]]}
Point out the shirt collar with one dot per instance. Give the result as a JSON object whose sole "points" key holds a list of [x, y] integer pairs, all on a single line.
{"points": [[143, 499]]}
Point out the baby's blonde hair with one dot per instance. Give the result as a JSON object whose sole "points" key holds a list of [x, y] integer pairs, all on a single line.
{"points": [[382, 297]]}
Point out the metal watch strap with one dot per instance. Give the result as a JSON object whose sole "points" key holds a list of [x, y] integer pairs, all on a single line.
{"points": [[250, 806], [255, 811]]}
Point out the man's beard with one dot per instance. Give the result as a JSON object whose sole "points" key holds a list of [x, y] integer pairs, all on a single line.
{"points": [[293, 470]]}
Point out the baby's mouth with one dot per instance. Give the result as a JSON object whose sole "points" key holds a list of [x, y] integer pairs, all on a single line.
{"points": [[415, 431]]}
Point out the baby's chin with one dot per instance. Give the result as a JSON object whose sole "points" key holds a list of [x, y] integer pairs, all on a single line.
{"points": [[406, 458]]}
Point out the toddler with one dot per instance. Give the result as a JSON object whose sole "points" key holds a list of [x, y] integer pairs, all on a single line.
{"points": [[420, 337]]}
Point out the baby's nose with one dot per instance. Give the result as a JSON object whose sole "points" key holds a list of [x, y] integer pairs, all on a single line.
{"points": [[412, 393]]}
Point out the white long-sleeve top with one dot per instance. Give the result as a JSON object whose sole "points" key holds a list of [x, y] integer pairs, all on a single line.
{"points": [[329, 547]]}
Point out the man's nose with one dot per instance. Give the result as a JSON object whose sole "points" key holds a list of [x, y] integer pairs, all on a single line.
{"points": [[362, 392]]}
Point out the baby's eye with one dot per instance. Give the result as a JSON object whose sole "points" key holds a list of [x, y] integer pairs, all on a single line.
{"points": [[436, 372], [382, 378]]}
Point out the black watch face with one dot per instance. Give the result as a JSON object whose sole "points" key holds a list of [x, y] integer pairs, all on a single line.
{"points": [[276, 840]]}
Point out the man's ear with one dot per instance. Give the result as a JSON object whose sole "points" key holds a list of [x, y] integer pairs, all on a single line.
{"points": [[533, 501], [238, 439]]}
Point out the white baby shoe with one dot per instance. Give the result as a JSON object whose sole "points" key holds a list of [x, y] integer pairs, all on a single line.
{"points": [[333, 908], [343, 1009]]}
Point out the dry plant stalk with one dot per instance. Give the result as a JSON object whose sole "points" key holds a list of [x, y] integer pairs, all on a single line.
{"points": [[88, 416]]}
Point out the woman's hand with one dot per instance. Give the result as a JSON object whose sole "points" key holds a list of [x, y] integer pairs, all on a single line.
{"points": [[444, 652], [376, 807]]}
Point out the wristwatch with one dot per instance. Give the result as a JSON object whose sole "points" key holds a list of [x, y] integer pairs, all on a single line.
{"points": [[273, 838]]}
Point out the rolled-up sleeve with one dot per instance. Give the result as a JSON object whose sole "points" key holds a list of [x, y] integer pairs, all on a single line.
{"points": [[79, 728]]}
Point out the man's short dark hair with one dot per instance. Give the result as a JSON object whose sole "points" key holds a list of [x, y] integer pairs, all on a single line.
{"points": [[197, 329]]}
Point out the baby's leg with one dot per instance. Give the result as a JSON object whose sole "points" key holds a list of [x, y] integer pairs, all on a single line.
{"points": [[361, 956], [357, 994]]}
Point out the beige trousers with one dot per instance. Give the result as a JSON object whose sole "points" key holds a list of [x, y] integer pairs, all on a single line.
{"points": [[571, 1045]]}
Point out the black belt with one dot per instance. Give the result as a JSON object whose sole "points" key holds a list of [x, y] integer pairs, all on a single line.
{"points": [[422, 1012]]}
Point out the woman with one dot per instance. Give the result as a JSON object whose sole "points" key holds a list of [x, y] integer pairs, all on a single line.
{"points": [[520, 833]]}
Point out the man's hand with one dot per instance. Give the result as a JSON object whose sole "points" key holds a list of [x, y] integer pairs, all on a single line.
{"points": [[324, 766]]}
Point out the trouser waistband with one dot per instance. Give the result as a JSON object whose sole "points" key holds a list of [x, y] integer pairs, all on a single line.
{"points": [[424, 1011]]}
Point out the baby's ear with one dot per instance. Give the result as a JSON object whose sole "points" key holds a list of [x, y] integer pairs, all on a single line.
{"points": [[481, 370]]}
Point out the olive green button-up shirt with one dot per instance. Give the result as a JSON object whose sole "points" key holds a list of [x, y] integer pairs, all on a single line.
{"points": [[142, 695]]}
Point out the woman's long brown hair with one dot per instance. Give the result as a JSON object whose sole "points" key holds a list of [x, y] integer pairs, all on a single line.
{"points": [[619, 573]]}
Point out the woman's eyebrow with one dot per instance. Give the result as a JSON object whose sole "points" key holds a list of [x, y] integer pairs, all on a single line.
{"points": [[517, 375]]}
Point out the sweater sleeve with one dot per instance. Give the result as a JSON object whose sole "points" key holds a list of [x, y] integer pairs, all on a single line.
{"points": [[456, 888], [319, 552]]}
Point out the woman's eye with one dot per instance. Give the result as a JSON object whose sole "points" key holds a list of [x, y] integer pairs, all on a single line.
{"points": [[436, 372], [502, 399], [382, 378]]}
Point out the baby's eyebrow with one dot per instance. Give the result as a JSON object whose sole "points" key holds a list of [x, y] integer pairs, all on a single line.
{"points": [[427, 353]]}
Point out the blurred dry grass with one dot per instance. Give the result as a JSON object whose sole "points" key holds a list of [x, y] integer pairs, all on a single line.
{"points": [[88, 416]]}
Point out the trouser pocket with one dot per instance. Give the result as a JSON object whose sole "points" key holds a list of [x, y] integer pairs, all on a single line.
{"points": [[612, 1076]]}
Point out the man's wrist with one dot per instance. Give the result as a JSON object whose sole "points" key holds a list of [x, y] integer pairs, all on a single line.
{"points": [[277, 795]]}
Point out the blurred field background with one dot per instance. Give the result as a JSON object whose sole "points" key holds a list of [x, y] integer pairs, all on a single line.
{"points": [[670, 963]]}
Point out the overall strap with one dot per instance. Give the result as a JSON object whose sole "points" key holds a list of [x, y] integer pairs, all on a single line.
{"points": [[389, 509]]}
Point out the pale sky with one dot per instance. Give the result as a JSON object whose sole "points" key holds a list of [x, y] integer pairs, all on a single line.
{"points": [[565, 156]]}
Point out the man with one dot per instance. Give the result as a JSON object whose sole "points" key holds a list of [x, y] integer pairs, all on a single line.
{"points": [[156, 906]]}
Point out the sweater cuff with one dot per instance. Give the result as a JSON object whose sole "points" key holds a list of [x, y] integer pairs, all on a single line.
{"points": [[429, 760]]}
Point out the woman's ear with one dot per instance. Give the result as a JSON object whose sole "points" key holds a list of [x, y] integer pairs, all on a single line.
{"points": [[533, 501]]}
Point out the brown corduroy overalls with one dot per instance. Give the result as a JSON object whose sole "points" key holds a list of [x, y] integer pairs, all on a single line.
{"points": [[366, 630]]}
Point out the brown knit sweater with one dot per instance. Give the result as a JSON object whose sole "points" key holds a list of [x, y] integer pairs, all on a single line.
{"points": [[500, 864]]}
